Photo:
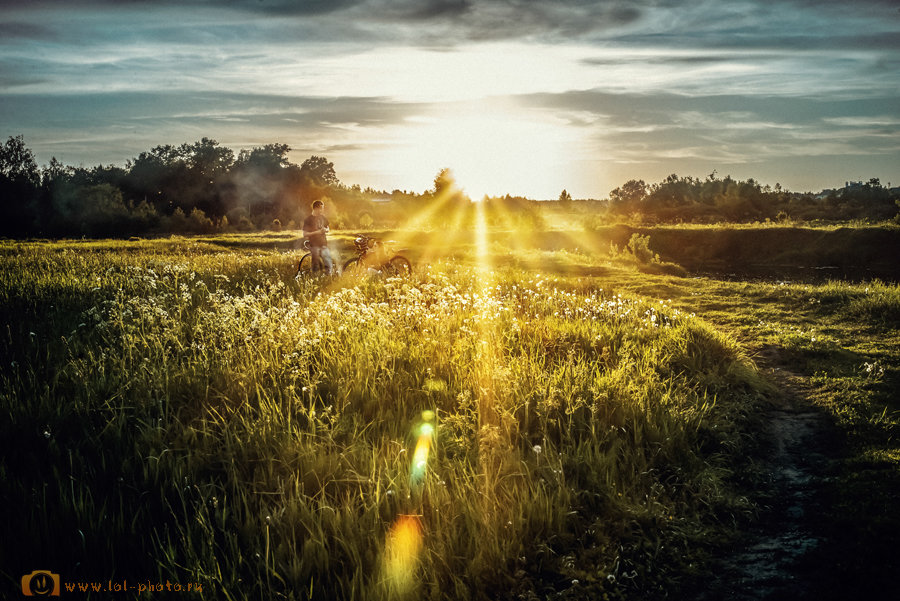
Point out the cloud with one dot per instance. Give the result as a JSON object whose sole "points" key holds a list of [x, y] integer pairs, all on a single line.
{"points": [[133, 122], [732, 129], [292, 7], [23, 30], [686, 82], [758, 24]]}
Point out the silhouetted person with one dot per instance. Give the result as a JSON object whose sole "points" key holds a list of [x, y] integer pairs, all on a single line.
{"points": [[315, 227]]}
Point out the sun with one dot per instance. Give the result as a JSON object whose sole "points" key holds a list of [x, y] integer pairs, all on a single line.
{"points": [[493, 149]]}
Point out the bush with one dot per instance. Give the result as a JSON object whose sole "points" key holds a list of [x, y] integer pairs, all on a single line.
{"points": [[639, 247]]}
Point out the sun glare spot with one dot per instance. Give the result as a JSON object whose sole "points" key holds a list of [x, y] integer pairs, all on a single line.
{"points": [[423, 448], [401, 555], [493, 148]]}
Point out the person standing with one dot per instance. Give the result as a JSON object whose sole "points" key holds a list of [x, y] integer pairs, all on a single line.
{"points": [[315, 228]]}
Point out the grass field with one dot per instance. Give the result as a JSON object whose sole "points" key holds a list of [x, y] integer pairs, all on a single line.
{"points": [[507, 423]]}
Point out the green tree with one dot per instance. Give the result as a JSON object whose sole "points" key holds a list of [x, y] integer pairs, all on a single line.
{"points": [[206, 178], [264, 185], [444, 182], [157, 176], [100, 211], [267, 158], [19, 188], [17, 162], [629, 194], [319, 171], [207, 158]]}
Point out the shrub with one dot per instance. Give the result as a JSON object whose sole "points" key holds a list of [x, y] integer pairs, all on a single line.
{"points": [[639, 247]]}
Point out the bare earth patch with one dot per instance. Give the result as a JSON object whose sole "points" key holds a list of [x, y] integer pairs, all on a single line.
{"points": [[771, 561]]}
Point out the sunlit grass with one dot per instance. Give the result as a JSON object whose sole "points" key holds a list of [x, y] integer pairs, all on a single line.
{"points": [[182, 411]]}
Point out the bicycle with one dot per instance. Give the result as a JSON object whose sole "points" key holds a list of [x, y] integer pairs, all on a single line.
{"points": [[304, 267], [372, 253]]}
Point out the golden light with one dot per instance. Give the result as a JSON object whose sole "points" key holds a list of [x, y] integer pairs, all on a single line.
{"points": [[401, 556], [494, 147], [405, 538], [482, 249], [423, 447]]}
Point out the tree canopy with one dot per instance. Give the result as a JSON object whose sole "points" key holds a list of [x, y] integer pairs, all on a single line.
{"points": [[203, 187]]}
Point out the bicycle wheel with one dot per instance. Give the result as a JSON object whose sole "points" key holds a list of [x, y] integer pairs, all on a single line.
{"points": [[398, 266], [352, 267], [304, 269]]}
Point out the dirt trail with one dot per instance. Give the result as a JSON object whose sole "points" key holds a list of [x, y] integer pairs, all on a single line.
{"points": [[768, 563]]}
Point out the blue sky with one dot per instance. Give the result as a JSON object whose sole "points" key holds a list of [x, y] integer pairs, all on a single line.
{"points": [[516, 96]]}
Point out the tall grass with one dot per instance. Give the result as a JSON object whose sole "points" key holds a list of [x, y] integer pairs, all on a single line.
{"points": [[186, 414]]}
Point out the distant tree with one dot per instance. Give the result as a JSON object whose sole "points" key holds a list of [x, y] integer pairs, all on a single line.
{"points": [[445, 182], [629, 194], [207, 158], [205, 181], [266, 185], [269, 157], [565, 197], [671, 193], [99, 211], [449, 199], [19, 188], [157, 176], [319, 171], [17, 162]]}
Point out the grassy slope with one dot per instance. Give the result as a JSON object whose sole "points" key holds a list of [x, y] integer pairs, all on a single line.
{"points": [[841, 343], [181, 439]]}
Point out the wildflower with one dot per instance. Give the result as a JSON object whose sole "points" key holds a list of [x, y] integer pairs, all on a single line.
{"points": [[537, 449]]}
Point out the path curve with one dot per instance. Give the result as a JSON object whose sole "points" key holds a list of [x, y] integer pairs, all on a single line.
{"points": [[771, 560]]}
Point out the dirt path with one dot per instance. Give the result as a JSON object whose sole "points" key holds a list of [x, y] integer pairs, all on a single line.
{"points": [[772, 561]]}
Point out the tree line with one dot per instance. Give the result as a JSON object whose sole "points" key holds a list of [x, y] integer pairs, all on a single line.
{"points": [[193, 188], [204, 187], [714, 199]]}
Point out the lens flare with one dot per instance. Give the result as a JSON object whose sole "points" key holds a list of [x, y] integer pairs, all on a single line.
{"points": [[401, 555], [423, 448], [404, 540]]}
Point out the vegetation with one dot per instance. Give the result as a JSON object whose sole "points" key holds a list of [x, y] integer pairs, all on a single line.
{"points": [[197, 415], [204, 188], [183, 409], [713, 200]]}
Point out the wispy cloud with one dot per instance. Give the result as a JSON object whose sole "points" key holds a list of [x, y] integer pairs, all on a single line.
{"points": [[652, 84]]}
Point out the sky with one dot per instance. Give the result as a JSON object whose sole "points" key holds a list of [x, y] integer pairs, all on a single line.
{"points": [[522, 97]]}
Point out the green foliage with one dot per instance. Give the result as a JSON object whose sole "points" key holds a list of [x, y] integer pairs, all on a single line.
{"points": [[688, 199], [637, 250], [639, 247]]}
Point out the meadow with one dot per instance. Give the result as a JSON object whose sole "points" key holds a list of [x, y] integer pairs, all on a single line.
{"points": [[506, 423]]}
